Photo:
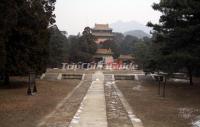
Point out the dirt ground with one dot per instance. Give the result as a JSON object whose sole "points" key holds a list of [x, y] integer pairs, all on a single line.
{"points": [[178, 109], [19, 110]]}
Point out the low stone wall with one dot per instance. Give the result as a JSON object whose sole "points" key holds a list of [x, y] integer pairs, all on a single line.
{"points": [[72, 76], [50, 76], [124, 77]]}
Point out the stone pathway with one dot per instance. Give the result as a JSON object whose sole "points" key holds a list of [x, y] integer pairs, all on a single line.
{"points": [[62, 115], [92, 112], [116, 113], [136, 122], [99, 103], [119, 112]]}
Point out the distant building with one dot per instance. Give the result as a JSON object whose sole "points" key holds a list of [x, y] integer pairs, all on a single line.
{"points": [[104, 55], [102, 32]]}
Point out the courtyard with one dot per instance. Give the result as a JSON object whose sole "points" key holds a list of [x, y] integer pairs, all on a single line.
{"points": [[100, 100], [108, 63]]}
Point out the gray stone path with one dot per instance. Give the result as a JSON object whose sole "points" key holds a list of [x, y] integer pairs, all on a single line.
{"points": [[102, 105], [136, 122], [119, 112], [61, 116], [92, 112], [116, 113]]}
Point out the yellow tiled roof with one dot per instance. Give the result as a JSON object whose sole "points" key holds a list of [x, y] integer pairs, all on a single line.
{"points": [[102, 27], [104, 51], [103, 34]]}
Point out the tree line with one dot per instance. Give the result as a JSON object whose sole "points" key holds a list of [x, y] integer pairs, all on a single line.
{"points": [[29, 40], [72, 49], [124, 45], [24, 36], [82, 47], [175, 44], [27, 43]]}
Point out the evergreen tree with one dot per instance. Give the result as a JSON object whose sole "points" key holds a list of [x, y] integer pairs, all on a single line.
{"points": [[24, 37], [58, 47], [83, 47], [7, 21], [178, 34], [127, 45]]}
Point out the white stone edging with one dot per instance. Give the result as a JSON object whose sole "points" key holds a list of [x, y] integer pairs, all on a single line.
{"points": [[42, 76], [135, 121]]}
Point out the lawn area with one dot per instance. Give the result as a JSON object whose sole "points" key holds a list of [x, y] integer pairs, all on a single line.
{"points": [[19, 110], [179, 109]]}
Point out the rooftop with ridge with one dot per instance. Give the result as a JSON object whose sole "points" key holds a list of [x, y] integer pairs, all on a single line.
{"points": [[102, 27]]}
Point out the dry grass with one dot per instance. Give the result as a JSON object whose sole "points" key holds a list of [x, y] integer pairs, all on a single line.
{"points": [[178, 109], [19, 110]]}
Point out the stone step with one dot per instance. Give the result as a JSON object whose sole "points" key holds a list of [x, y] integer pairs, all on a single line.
{"points": [[51, 76], [124, 77], [72, 76]]}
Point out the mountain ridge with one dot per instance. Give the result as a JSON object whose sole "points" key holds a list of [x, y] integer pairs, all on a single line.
{"points": [[137, 33], [122, 27]]}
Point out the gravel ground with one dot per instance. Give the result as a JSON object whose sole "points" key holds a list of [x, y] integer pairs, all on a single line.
{"points": [[116, 113]]}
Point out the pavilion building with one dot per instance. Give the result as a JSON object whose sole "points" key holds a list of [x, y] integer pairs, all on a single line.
{"points": [[104, 55], [102, 32]]}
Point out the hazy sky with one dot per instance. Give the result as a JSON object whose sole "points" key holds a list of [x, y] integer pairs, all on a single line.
{"points": [[73, 15]]}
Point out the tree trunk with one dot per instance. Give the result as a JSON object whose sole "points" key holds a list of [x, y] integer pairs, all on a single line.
{"points": [[191, 79], [6, 79], [190, 76]]}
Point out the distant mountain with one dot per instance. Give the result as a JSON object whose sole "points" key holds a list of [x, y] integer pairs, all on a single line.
{"points": [[122, 27], [137, 33]]}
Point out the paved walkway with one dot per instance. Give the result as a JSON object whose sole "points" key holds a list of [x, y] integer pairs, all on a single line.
{"points": [[92, 112], [119, 112], [103, 105], [65, 110]]}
